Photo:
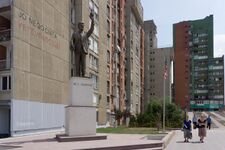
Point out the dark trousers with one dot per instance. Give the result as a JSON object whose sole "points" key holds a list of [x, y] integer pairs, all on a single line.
{"points": [[80, 64], [209, 126]]}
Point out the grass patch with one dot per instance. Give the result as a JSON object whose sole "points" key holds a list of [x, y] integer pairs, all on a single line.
{"points": [[125, 130]]}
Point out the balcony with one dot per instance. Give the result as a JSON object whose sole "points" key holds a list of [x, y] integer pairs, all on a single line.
{"points": [[4, 3], [4, 64], [5, 20], [5, 35], [5, 8]]}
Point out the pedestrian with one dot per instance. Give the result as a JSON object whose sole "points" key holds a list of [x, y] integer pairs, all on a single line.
{"points": [[195, 121], [187, 129], [209, 121], [202, 127]]}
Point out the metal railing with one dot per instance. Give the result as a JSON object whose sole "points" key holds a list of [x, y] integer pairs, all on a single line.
{"points": [[4, 3], [5, 35], [3, 64]]}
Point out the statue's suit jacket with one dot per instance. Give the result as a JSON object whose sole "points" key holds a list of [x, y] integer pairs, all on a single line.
{"points": [[80, 42]]}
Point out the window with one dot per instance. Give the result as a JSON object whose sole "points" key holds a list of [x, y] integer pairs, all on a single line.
{"points": [[96, 12], [108, 72], [108, 12], [95, 81], [93, 7], [96, 29], [108, 42], [72, 12], [108, 57], [108, 87], [95, 99], [91, 4], [93, 45], [137, 52], [108, 100], [108, 27], [131, 62], [93, 62], [5, 83]]}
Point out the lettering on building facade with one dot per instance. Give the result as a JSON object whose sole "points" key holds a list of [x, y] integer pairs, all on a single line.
{"points": [[49, 35]]}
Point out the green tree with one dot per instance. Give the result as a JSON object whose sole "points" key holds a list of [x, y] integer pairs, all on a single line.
{"points": [[118, 116], [152, 117]]}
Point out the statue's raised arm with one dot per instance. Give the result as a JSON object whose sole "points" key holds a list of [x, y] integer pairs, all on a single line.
{"points": [[90, 31]]}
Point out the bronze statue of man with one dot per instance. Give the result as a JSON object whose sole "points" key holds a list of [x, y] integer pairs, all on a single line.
{"points": [[79, 46]]}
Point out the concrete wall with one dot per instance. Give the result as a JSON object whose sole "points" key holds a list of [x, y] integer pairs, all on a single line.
{"points": [[102, 62], [40, 51], [40, 64], [29, 116]]}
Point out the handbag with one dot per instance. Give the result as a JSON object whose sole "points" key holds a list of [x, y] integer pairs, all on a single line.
{"points": [[190, 135], [194, 126]]}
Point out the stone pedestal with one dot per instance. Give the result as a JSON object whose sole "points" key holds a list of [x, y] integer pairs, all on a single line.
{"points": [[81, 114], [80, 117], [80, 121]]}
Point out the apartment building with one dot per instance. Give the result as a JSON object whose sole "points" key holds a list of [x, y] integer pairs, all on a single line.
{"points": [[34, 65], [193, 45], [161, 57], [115, 57], [150, 43], [155, 59], [134, 26]]}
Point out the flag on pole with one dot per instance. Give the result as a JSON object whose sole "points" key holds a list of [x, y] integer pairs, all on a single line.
{"points": [[165, 73]]}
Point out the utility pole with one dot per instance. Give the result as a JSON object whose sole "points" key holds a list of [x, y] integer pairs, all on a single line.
{"points": [[165, 76]]}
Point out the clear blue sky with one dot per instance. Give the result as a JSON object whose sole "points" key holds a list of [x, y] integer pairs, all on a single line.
{"points": [[167, 12]]}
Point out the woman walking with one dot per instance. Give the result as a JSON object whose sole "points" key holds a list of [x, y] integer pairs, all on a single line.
{"points": [[187, 130], [202, 127]]}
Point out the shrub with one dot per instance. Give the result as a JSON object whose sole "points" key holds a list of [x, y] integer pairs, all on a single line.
{"points": [[152, 117]]}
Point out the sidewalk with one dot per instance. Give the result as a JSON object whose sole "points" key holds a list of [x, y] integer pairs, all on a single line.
{"points": [[48, 142], [213, 141], [218, 115]]}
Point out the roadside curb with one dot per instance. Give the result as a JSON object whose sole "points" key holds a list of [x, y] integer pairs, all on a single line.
{"points": [[167, 138]]}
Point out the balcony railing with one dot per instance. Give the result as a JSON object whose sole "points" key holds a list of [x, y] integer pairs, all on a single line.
{"points": [[4, 64], [4, 3], [5, 35]]}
